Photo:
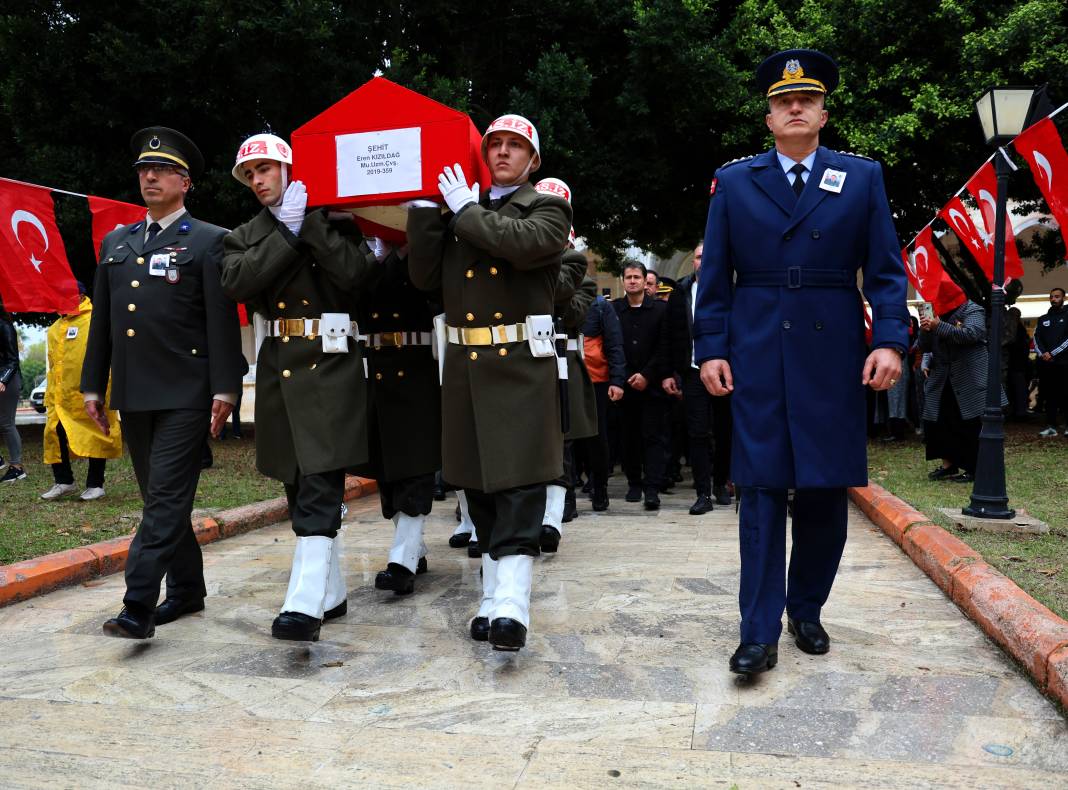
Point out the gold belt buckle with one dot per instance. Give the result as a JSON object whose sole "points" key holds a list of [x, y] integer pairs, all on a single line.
{"points": [[476, 336], [291, 327], [395, 339]]}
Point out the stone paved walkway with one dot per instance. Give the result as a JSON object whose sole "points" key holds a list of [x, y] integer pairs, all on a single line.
{"points": [[624, 681]]}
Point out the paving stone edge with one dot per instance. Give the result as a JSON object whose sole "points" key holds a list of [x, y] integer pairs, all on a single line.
{"points": [[29, 578], [1032, 634]]}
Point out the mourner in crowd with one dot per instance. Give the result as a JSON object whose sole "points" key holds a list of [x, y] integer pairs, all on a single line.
{"points": [[10, 392], [167, 336], [1051, 349], [300, 272], [790, 228]]}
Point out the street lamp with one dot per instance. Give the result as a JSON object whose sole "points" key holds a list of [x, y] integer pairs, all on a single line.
{"points": [[1004, 113]]}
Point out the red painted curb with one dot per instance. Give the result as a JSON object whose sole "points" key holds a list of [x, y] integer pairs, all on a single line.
{"points": [[29, 578], [1028, 631]]}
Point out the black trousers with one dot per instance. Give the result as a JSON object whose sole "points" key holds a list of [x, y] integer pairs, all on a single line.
{"points": [[62, 472], [315, 503], [1054, 381], [594, 449], [566, 478], [413, 496], [645, 438], [708, 425], [951, 436], [165, 448], [509, 521]]}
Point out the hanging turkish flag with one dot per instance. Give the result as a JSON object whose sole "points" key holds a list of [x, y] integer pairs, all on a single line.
{"points": [[35, 275], [111, 214], [924, 267], [984, 188], [1041, 146], [960, 222]]}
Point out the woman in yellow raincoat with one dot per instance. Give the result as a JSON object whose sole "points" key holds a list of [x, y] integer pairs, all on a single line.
{"points": [[69, 431]]}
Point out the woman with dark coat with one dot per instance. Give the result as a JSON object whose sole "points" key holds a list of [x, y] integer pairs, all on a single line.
{"points": [[10, 390]]}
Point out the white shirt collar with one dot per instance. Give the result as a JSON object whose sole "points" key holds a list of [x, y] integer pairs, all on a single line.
{"points": [[786, 162], [496, 192], [165, 221]]}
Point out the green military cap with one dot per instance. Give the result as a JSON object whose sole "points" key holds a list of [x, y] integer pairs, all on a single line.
{"points": [[159, 145], [797, 70]]}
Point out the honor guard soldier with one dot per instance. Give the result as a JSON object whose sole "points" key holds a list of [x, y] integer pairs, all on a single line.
{"points": [[404, 420], [497, 261], [790, 228], [300, 272], [169, 336]]}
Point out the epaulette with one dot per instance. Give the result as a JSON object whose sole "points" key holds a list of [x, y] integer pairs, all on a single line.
{"points": [[858, 156], [736, 161]]}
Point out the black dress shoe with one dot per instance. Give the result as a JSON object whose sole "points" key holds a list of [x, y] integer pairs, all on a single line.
{"points": [[600, 500], [131, 625], [753, 658], [570, 506], [963, 477], [474, 551], [809, 636], [480, 629], [550, 539], [722, 495], [587, 487], [340, 610], [652, 501], [943, 471], [296, 627], [702, 505], [397, 578], [173, 608], [507, 634], [634, 494], [459, 540], [420, 567]]}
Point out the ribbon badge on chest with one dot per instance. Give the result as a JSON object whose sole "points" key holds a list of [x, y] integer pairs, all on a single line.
{"points": [[832, 180]]}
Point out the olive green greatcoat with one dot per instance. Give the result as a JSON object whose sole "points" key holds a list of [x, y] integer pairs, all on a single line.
{"points": [[311, 407], [582, 398], [500, 404]]}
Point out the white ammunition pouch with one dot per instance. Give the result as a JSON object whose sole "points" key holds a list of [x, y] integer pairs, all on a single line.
{"points": [[335, 329], [541, 335]]}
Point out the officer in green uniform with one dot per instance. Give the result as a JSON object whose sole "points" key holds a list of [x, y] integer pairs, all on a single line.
{"points": [[497, 262], [169, 337], [300, 271]]}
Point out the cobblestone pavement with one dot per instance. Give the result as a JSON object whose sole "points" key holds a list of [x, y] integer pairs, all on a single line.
{"points": [[624, 681]]}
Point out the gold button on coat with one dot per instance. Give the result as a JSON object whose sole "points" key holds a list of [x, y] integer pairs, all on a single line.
{"points": [[470, 273], [503, 352], [472, 355], [374, 315], [400, 374], [493, 270], [285, 339], [396, 315], [141, 260], [281, 305], [305, 302], [378, 376], [135, 284], [194, 352], [314, 365], [286, 374], [131, 307], [130, 333], [470, 316], [498, 316]]}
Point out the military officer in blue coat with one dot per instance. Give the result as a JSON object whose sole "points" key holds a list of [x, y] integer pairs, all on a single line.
{"points": [[779, 324]]}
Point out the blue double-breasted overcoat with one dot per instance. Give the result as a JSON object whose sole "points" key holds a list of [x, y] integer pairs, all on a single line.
{"points": [[778, 298]]}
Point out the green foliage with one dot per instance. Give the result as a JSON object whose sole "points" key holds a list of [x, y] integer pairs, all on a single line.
{"points": [[637, 103]]}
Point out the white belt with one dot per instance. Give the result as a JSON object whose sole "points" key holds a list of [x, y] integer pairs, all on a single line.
{"points": [[486, 335], [303, 327], [398, 339], [578, 345], [573, 345]]}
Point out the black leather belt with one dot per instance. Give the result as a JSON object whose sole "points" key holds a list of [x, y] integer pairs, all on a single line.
{"points": [[796, 277]]}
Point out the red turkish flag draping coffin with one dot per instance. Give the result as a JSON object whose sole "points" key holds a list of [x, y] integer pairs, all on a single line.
{"points": [[380, 146]]}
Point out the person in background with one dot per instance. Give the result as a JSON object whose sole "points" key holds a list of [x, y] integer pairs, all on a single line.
{"points": [[652, 283], [603, 342], [10, 391], [68, 429], [1017, 356], [1051, 348]]}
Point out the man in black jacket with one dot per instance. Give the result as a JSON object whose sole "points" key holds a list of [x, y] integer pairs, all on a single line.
{"points": [[1051, 346], [707, 416], [644, 404]]}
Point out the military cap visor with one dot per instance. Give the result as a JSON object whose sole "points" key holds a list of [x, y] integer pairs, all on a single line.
{"points": [[158, 145], [797, 70]]}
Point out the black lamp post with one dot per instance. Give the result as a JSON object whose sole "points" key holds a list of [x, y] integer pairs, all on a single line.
{"points": [[1004, 113]]}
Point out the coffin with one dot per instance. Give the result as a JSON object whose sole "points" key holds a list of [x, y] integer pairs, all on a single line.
{"points": [[380, 146]]}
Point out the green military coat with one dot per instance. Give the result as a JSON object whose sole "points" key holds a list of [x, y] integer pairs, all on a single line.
{"points": [[581, 396], [500, 404], [311, 407]]}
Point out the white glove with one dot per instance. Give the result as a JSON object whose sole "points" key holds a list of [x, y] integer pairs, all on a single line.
{"points": [[453, 186], [419, 204], [380, 248], [294, 203]]}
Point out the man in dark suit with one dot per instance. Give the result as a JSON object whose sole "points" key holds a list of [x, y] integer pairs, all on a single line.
{"points": [[779, 324], [170, 339], [707, 417], [645, 408]]}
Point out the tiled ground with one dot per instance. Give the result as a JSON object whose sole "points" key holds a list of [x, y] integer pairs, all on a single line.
{"points": [[624, 681]]}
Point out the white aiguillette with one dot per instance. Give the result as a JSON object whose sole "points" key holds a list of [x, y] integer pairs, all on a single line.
{"points": [[832, 180]]}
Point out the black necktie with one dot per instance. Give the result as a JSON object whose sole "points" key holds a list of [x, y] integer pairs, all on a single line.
{"points": [[153, 230], [799, 183]]}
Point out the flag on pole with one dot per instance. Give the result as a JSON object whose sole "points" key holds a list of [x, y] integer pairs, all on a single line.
{"points": [[983, 186], [971, 239], [109, 215], [1043, 149], [35, 275]]}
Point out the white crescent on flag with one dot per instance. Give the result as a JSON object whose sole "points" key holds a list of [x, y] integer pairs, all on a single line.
{"points": [[910, 262], [986, 197], [1045, 167], [20, 216]]}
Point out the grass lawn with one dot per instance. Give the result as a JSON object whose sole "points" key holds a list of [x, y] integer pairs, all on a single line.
{"points": [[1037, 478], [30, 526]]}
